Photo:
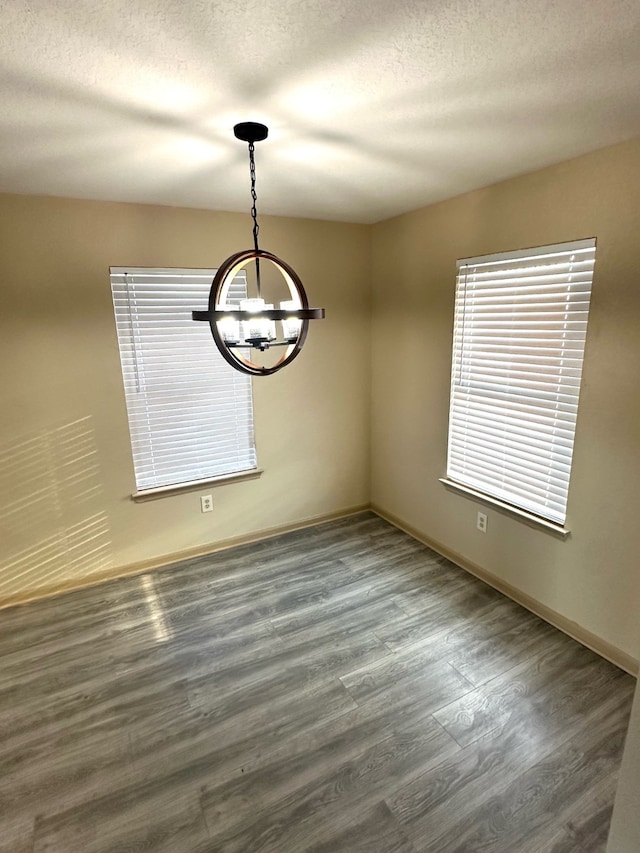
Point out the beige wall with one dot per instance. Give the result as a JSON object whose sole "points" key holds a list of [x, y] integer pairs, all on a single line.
{"points": [[65, 464], [592, 578], [624, 835]]}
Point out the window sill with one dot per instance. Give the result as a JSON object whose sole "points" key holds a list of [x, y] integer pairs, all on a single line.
{"points": [[520, 514], [195, 485]]}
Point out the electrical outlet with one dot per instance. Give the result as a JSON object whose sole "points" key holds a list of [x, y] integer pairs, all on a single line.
{"points": [[481, 523], [206, 503]]}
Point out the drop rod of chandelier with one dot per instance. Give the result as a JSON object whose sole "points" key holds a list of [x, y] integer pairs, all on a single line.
{"points": [[237, 329]]}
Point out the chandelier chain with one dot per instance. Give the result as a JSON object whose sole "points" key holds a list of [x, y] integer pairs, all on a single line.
{"points": [[254, 210]]}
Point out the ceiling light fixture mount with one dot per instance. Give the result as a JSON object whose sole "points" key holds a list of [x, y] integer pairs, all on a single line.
{"points": [[238, 329]]}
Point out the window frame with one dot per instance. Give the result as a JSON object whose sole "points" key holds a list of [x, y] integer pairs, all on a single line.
{"points": [[171, 414], [481, 348]]}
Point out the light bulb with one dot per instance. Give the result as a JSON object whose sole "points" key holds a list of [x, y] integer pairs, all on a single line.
{"points": [[257, 328], [229, 327], [290, 325]]}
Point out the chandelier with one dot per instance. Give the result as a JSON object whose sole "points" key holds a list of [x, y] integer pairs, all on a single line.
{"points": [[248, 326]]}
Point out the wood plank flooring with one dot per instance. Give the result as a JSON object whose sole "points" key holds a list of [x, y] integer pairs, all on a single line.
{"points": [[341, 689]]}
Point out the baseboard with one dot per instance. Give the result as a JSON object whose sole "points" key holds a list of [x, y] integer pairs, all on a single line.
{"points": [[165, 560], [572, 629]]}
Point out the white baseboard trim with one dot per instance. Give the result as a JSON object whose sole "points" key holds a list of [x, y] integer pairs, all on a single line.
{"points": [[572, 629], [165, 560]]}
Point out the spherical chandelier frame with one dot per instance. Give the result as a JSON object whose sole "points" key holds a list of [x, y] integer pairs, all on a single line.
{"points": [[218, 310]]}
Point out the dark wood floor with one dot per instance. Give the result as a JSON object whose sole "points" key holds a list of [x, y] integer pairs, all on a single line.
{"points": [[341, 689]]}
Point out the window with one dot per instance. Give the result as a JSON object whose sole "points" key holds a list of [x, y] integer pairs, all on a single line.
{"points": [[519, 334], [190, 413]]}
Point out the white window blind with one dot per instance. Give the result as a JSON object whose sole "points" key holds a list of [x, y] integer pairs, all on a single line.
{"points": [[190, 413], [519, 334]]}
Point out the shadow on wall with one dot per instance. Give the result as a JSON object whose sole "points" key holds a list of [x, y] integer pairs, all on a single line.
{"points": [[52, 526]]}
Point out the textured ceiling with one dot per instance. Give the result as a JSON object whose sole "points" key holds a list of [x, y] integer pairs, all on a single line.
{"points": [[375, 106]]}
